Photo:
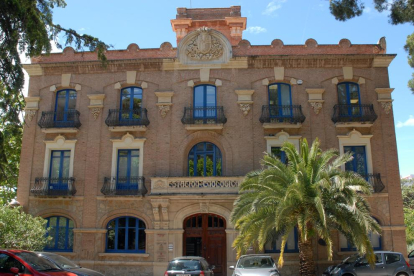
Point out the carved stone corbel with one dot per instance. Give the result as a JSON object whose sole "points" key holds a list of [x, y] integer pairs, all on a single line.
{"points": [[315, 98], [384, 97], [316, 105], [386, 105], [32, 105], [164, 102], [96, 104], [244, 100]]}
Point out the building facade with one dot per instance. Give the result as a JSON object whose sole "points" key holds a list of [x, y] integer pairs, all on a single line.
{"points": [[139, 161]]}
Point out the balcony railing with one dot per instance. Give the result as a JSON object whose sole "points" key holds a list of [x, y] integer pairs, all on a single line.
{"points": [[291, 114], [354, 113], [195, 185], [124, 186], [50, 186], [127, 117], [60, 119], [204, 115], [374, 179]]}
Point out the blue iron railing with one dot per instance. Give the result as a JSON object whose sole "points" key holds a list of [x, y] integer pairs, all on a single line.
{"points": [[119, 186], [291, 114]]}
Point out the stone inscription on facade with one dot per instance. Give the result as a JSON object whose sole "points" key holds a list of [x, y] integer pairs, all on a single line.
{"points": [[161, 248], [204, 184], [204, 46]]}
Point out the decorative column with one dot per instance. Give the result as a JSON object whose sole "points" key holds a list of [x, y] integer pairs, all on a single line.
{"points": [[96, 104], [244, 100], [384, 97], [164, 102], [32, 105], [315, 98]]}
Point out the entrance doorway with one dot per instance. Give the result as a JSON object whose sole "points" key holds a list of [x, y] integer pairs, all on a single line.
{"points": [[205, 236]]}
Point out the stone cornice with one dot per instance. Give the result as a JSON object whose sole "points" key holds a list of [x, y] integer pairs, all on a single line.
{"points": [[265, 61]]}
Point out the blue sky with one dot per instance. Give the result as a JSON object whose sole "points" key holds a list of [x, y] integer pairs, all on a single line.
{"points": [[147, 23]]}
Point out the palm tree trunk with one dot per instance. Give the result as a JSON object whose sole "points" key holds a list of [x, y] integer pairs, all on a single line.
{"points": [[307, 265]]}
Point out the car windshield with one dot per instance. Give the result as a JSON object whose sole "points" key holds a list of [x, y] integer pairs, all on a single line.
{"points": [[351, 259], [61, 261], [184, 264], [36, 262], [253, 262]]}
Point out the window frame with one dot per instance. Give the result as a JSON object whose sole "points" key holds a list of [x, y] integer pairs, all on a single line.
{"points": [[282, 156], [129, 167], [205, 115], [66, 107], [281, 111], [295, 250], [131, 103], [62, 157], [59, 143], [137, 230], [204, 153], [56, 234], [348, 94], [354, 160], [350, 248]]}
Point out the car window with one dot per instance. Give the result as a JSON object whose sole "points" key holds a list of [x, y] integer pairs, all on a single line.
{"points": [[253, 262], [378, 258], [411, 255], [7, 262], [36, 262], [392, 258], [60, 261], [184, 264]]}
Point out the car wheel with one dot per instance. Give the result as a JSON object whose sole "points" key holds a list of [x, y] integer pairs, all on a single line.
{"points": [[347, 274], [402, 274]]}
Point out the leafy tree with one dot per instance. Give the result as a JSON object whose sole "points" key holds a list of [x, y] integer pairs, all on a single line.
{"points": [[402, 11], [408, 204], [26, 26], [311, 193], [19, 230]]}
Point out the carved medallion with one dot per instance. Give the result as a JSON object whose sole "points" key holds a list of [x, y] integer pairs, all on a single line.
{"points": [[204, 46]]}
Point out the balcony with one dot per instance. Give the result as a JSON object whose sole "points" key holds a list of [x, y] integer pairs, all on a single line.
{"points": [[374, 179], [199, 118], [52, 187], [124, 186], [127, 119], [195, 185], [354, 115], [60, 121], [282, 116]]}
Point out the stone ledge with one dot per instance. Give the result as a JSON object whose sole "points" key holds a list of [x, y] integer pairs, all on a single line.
{"points": [[353, 125], [60, 130], [127, 128], [281, 125], [204, 127]]}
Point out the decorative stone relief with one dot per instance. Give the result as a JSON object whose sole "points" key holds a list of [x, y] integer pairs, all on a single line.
{"points": [[317, 106], [244, 100], [96, 104], [204, 46], [164, 102], [386, 105], [30, 113], [160, 185], [164, 110], [315, 98]]}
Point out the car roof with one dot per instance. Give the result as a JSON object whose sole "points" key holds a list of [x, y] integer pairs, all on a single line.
{"points": [[388, 252], [46, 253], [15, 250], [188, 258], [255, 255]]}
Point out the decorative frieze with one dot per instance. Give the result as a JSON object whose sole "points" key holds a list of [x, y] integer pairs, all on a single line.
{"points": [[315, 98], [96, 104]]}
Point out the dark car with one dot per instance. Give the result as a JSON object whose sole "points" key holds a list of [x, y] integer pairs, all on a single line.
{"points": [[189, 266], [25, 263], [66, 264]]}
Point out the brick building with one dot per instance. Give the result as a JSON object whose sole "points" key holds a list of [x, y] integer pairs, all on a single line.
{"points": [[140, 161]]}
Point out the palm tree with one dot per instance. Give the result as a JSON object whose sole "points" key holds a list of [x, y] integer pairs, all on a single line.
{"points": [[310, 192]]}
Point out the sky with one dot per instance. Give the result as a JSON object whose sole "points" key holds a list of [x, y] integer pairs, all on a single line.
{"points": [[147, 23]]}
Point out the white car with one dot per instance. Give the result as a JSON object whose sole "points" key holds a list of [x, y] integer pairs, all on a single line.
{"points": [[255, 265]]}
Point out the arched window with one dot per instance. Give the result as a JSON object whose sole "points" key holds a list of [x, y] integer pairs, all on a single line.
{"points": [[290, 247], [125, 235], [280, 100], [375, 239], [65, 105], [205, 104], [205, 159], [61, 233], [131, 102]]}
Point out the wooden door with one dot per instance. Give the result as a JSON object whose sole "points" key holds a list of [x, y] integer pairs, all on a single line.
{"points": [[205, 236]]}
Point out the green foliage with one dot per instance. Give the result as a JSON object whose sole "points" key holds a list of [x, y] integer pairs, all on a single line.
{"points": [[19, 230], [311, 193], [26, 26], [401, 11], [408, 204]]}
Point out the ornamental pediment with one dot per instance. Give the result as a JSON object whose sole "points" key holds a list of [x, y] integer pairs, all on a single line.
{"points": [[204, 46]]}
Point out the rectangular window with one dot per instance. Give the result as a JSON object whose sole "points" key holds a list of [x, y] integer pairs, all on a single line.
{"points": [[359, 163], [277, 151], [59, 169], [291, 245], [128, 169]]}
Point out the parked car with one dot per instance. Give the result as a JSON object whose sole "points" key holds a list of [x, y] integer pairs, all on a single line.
{"points": [[66, 264], [255, 265], [188, 266], [25, 263], [387, 263], [411, 260]]}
